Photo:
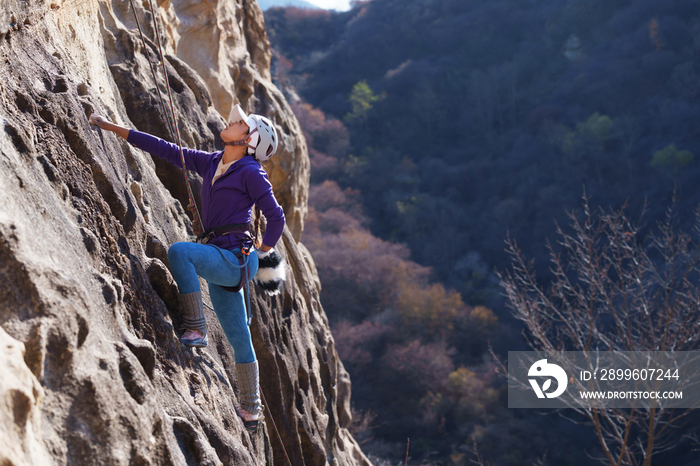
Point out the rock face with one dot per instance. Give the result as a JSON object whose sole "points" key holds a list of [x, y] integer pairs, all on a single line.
{"points": [[21, 397], [93, 370]]}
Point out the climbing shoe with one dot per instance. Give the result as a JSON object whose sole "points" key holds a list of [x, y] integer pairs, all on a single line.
{"points": [[250, 425], [194, 341]]}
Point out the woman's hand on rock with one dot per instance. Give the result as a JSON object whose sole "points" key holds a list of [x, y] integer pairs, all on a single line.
{"points": [[104, 123], [98, 120]]}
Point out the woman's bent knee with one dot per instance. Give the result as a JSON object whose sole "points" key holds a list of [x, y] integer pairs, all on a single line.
{"points": [[177, 252]]}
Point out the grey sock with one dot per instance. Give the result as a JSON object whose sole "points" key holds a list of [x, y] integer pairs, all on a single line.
{"points": [[248, 387], [193, 312]]}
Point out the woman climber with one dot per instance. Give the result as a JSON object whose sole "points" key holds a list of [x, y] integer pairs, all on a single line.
{"points": [[233, 181]]}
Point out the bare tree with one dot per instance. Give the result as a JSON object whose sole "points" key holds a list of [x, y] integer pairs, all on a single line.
{"points": [[478, 461], [614, 289]]}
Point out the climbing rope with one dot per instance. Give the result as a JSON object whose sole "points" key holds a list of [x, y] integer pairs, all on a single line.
{"points": [[250, 317], [153, 73], [275, 426], [197, 226], [279, 437]]}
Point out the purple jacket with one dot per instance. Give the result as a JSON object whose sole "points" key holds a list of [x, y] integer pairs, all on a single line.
{"points": [[231, 198]]}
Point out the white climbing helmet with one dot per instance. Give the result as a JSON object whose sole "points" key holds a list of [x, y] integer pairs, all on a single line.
{"points": [[268, 138], [264, 140]]}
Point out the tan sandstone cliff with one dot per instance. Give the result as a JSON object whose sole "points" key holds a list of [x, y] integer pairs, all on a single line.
{"points": [[92, 370]]}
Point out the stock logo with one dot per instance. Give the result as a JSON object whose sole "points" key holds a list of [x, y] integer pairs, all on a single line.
{"points": [[542, 369]]}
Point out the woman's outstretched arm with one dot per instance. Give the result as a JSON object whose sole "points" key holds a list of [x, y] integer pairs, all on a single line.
{"points": [[103, 123], [196, 160]]}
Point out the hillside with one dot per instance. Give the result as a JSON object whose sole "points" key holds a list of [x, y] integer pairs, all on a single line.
{"points": [[436, 131], [515, 107]]}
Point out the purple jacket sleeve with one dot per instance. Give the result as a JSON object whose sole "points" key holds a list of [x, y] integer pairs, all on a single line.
{"points": [[260, 190], [194, 159]]}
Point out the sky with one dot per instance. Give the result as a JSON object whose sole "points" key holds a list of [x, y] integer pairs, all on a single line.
{"points": [[340, 5]]}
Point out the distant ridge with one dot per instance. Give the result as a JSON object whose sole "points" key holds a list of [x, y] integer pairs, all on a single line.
{"points": [[265, 4]]}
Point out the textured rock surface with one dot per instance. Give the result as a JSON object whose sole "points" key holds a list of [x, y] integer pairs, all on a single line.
{"points": [[21, 398], [88, 307]]}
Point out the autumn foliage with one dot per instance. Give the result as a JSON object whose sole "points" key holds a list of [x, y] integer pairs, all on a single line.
{"points": [[393, 324], [445, 127]]}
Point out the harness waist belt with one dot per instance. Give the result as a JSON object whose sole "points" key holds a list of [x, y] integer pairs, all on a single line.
{"points": [[242, 229], [211, 233]]}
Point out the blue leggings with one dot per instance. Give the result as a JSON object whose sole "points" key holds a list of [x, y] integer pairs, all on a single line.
{"points": [[190, 260]]}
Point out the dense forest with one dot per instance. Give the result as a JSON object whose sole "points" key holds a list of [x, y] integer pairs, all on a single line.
{"points": [[437, 130]]}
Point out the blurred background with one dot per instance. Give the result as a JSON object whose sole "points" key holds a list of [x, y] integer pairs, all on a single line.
{"points": [[438, 129]]}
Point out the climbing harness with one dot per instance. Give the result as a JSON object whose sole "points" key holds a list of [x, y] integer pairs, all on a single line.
{"points": [[244, 258], [197, 227], [242, 230]]}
